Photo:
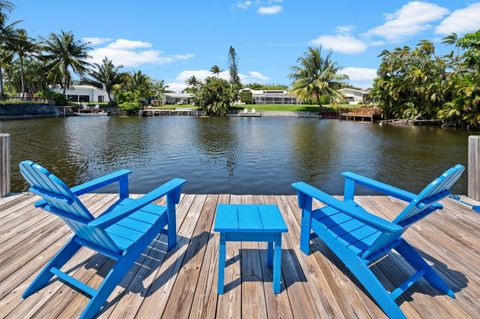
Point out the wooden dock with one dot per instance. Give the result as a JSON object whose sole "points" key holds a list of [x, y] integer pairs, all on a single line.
{"points": [[182, 283], [363, 114], [156, 111]]}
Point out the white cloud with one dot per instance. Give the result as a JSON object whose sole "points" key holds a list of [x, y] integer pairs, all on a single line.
{"points": [[95, 40], [269, 10], [360, 77], [123, 44], [376, 43], [176, 86], [461, 20], [183, 56], [344, 29], [340, 43], [244, 4], [409, 20], [360, 74], [134, 53], [254, 75]]}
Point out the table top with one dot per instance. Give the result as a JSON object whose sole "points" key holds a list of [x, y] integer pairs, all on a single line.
{"points": [[249, 218]]}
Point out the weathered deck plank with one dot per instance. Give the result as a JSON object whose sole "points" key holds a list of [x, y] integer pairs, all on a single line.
{"points": [[183, 283]]}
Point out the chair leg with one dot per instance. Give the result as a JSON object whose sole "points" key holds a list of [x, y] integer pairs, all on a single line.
{"points": [[67, 251], [413, 257], [115, 275], [374, 287], [305, 231], [172, 223]]}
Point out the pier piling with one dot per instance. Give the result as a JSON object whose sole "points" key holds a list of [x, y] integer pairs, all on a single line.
{"points": [[474, 167], [4, 164]]}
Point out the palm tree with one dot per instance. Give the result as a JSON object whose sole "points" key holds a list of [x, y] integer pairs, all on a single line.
{"points": [[316, 75], [24, 46], [159, 88], [140, 83], [106, 76], [216, 70], [192, 81], [6, 5], [7, 34], [64, 55]]}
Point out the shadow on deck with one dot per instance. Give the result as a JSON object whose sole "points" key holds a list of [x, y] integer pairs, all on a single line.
{"points": [[182, 283]]}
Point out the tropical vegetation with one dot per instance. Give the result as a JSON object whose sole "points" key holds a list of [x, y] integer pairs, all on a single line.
{"points": [[106, 76], [31, 67], [214, 95], [418, 83], [316, 75]]}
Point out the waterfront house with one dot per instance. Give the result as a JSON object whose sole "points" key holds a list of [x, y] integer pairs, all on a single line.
{"points": [[353, 96], [177, 98], [83, 94], [272, 96]]}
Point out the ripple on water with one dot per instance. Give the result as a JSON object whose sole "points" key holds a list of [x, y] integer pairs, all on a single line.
{"points": [[236, 155]]}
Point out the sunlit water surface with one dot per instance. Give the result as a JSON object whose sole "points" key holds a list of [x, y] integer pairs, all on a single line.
{"points": [[235, 155]]}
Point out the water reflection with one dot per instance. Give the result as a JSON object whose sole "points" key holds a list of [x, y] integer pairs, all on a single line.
{"points": [[235, 155], [217, 142]]}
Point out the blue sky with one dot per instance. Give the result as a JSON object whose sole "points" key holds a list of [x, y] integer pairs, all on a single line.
{"points": [[172, 40]]}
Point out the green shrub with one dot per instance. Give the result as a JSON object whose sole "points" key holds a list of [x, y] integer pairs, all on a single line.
{"points": [[214, 96], [129, 101], [246, 97], [130, 107], [58, 98]]}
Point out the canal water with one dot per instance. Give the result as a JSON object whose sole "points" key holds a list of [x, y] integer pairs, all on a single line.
{"points": [[235, 155]]}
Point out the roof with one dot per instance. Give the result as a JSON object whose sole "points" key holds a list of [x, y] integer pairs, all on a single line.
{"points": [[352, 90], [179, 95]]}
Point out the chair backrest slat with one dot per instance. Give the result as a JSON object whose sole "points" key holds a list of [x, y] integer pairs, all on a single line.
{"points": [[420, 207], [65, 204], [438, 189]]}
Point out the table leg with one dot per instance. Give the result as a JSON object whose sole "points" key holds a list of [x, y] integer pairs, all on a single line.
{"points": [[277, 264], [270, 254], [221, 263]]}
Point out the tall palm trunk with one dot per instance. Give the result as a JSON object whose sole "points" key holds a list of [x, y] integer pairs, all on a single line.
{"points": [[65, 81], [2, 92], [22, 76], [318, 98]]}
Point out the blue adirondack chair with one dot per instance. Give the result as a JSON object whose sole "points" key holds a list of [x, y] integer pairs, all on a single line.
{"points": [[121, 233], [360, 238]]}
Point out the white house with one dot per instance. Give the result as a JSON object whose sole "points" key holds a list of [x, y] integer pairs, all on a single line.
{"points": [[353, 96], [84, 94], [177, 98], [272, 97]]}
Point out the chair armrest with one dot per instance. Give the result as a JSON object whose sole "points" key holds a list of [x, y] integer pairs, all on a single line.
{"points": [[93, 184], [108, 219], [348, 207], [100, 182], [380, 187]]}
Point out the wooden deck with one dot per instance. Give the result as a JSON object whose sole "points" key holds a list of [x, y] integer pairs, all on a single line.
{"points": [[182, 283]]}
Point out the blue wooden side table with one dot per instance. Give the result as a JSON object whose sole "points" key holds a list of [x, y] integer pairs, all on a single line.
{"points": [[251, 223]]}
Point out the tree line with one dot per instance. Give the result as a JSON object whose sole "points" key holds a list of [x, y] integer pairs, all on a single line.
{"points": [[31, 67], [418, 83]]}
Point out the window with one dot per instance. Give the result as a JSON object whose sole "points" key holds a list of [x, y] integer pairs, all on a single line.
{"points": [[100, 99], [84, 98], [72, 98]]}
